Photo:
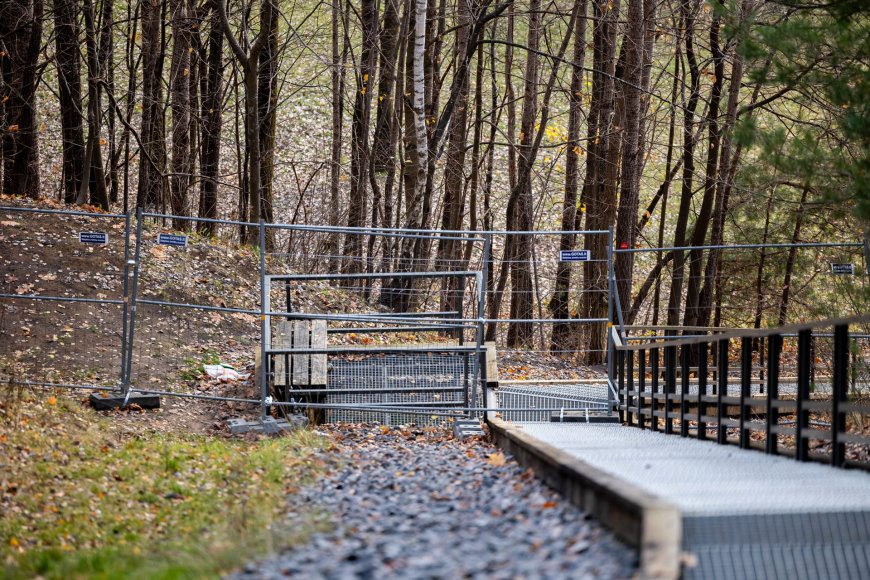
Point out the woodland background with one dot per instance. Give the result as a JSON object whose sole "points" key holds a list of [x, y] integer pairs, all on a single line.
{"points": [[680, 123]]}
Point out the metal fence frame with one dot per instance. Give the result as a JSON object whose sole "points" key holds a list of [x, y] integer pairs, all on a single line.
{"points": [[642, 405]]}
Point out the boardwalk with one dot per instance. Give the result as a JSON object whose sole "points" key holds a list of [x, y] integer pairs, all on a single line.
{"points": [[744, 514]]}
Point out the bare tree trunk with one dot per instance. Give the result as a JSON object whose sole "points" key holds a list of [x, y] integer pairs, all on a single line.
{"points": [[564, 336], [599, 187], [381, 151], [69, 82], [267, 103], [359, 147], [339, 57], [789, 263], [448, 255], [21, 34], [687, 19], [702, 223], [179, 96], [249, 64], [107, 67], [95, 180], [151, 178], [630, 184], [521, 334], [399, 292], [212, 122]]}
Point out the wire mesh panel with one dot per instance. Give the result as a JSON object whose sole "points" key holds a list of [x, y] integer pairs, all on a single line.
{"points": [[62, 292], [542, 402], [436, 380]]}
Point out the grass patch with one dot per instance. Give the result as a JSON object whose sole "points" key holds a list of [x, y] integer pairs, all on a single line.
{"points": [[80, 502]]}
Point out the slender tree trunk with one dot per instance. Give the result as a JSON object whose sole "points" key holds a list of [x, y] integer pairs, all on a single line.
{"points": [[599, 187], [454, 171], [381, 150], [249, 65], [21, 33], [521, 334], [339, 57], [95, 181], [564, 335], [399, 293], [212, 122], [267, 104], [630, 184], [789, 263], [687, 19], [179, 96], [702, 223], [66, 29], [359, 147], [153, 154]]}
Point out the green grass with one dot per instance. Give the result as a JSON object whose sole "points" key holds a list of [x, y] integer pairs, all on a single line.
{"points": [[77, 502]]}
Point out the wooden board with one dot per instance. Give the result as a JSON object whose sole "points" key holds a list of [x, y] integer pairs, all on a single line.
{"points": [[301, 339], [318, 361], [283, 339]]}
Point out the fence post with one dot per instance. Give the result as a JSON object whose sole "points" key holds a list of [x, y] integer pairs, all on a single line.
{"points": [[630, 387], [803, 394], [654, 401], [641, 386], [722, 391], [774, 346], [125, 307], [133, 292], [684, 389], [670, 385], [702, 390], [840, 393], [610, 322], [264, 384], [745, 389]]}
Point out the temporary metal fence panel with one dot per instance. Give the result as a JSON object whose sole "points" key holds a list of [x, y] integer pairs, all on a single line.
{"points": [[188, 311], [63, 323], [376, 358], [756, 285]]}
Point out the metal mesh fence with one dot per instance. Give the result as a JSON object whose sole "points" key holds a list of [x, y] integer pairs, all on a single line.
{"points": [[592, 397], [755, 285], [416, 380], [62, 323]]}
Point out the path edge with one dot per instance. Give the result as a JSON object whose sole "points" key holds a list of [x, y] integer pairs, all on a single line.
{"points": [[645, 521]]}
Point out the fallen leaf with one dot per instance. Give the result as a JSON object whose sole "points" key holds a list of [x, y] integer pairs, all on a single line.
{"points": [[497, 459]]}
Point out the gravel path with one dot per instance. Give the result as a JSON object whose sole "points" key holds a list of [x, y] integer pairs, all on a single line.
{"points": [[412, 504]]}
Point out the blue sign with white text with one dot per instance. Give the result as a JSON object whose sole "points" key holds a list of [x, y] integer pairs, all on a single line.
{"points": [[93, 238], [573, 255], [172, 240]]}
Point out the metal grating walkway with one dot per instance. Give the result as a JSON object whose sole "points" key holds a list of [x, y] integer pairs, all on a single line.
{"points": [[745, 514]]}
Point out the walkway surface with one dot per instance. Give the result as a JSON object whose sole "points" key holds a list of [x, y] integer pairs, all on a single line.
{"points": [[745, 514]]}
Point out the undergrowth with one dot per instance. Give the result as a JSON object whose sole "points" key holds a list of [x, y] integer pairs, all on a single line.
{"points": [[81, 500]]}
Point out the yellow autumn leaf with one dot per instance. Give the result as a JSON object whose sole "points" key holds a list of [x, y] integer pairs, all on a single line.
{"points": [[496, 459]]}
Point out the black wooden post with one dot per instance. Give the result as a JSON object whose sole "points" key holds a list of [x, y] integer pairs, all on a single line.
{"points": [[802, 416], [840, 394], [722, 435], [629, 398], [774, 346], [654, 402], [745, 390], [702, 390], [641, 387], [684, 389], [670, 385]]}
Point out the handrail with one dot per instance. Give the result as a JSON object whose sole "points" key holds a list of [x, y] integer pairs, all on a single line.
{"points": [[751, 333]]}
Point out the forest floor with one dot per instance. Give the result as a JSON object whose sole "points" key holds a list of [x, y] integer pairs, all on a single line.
{"points": [[170, 492]]}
